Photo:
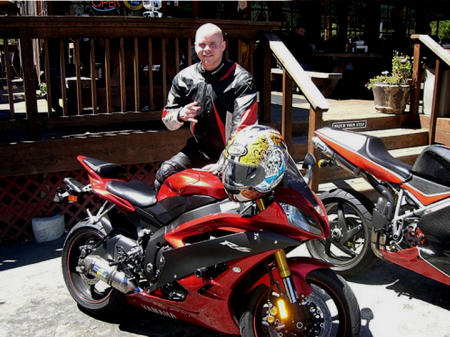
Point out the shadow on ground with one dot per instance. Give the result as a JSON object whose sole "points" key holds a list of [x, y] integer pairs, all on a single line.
{"points": [[23, 254], [405, 283]]}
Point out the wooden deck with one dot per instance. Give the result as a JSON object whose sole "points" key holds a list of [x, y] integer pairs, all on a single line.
{"points": [[147, 140]]}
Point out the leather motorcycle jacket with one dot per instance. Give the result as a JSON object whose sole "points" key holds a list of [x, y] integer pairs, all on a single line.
{"points": [[227, 100]]}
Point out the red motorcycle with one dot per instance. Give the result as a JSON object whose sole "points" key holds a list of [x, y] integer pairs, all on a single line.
{"points": [[408, 225], [189, 252]]}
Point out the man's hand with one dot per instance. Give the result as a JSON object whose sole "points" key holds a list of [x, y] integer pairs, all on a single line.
{"points": [[189, 112], [213, 168]]}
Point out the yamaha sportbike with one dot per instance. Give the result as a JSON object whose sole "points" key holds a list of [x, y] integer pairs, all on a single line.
{"points": [[188, 252], [408, 225]]}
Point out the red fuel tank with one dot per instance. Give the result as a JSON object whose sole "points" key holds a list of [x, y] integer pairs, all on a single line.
{"points": [[192, 182]]}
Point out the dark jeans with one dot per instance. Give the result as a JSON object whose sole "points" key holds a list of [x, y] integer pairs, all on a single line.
{"points": [[189, 157]]}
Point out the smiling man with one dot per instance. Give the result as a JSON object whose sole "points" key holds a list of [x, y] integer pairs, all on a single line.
{"points": [[216, 96]]}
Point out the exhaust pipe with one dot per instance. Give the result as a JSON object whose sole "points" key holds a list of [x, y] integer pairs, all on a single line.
{"points": [[99, 267], [320, 145]]}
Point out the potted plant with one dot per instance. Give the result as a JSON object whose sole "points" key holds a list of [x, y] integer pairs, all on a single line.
{"points": [[391, 91]]}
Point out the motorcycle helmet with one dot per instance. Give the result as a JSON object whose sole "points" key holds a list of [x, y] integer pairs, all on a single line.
{"points": [[255, 163]]}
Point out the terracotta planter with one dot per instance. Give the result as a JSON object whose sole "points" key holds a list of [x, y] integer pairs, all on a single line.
{"points": [[390, 98]]}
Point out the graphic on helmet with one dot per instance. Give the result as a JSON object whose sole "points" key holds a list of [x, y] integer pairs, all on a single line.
{"points": [[255, 163]]}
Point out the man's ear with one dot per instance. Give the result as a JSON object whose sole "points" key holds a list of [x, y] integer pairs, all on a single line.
{"points": [[224, 46]]}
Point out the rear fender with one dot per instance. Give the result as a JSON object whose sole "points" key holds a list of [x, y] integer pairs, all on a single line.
{"points": [[103, 226], [300, 267]]}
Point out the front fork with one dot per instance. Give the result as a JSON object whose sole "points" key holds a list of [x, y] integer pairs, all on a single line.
{"points": [[285, 274]]}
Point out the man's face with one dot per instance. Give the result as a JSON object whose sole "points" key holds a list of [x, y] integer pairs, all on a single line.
{"points": [[209, 47]]}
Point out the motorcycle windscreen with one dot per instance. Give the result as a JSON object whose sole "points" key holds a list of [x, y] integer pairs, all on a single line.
{"points": [[293, 179]]}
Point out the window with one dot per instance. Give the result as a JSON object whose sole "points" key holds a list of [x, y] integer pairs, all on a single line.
{"points": [[355, 19], [329, 24]]}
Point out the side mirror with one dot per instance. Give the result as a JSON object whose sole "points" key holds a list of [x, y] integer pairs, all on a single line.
{"points": [[308, 164]]}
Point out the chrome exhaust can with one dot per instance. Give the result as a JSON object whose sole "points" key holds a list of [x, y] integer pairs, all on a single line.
{"points": [[99, 267]]}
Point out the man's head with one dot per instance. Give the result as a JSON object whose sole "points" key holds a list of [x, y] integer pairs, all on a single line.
{"points": [[300, 31], [209, 45]]}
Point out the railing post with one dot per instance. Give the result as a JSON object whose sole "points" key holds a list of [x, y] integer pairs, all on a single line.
{"points": [[265, 89], [315, 123], [78, 76], [435, 102], [415, 88], [286, 111], [8, 79], [29, 82]]}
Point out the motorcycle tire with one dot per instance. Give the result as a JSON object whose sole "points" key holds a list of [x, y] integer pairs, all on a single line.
{"points": [[348, 246], [92, 295], [331, 309]]}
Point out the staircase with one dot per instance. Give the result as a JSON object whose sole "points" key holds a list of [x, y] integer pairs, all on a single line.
{"points": [[402, 142]]}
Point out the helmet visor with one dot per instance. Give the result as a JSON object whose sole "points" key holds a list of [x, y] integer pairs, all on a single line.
{"points": [[238, 176]]}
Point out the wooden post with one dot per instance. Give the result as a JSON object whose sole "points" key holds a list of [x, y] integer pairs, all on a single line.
{"points": [[8, 79], [62, 65], [151, 99], [315, 123], [177, 55], [164, 69], [137, 98], [78, 75], [48, 82], [435, 102], [123, 88], [265, 87], [29, 82], [108, 75], [189, 46], [415, 88], [286, 111], [93, 77]]}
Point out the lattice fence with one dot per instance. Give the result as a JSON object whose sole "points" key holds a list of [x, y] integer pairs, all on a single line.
{"points": [[26, 197]]}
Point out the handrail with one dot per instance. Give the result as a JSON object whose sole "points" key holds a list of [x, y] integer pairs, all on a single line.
{"points": [[290, 64], [442, 60], [292, 71]]}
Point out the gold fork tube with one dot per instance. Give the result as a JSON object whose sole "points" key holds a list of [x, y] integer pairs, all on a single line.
{"points": [[283, 267]]}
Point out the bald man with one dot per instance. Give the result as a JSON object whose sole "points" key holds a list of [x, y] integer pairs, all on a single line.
{"points": [[217, 97]]}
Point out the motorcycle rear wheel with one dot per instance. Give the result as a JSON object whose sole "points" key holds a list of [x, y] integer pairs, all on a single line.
{"points": [[92, 295], [348, 246], [332, 310]]}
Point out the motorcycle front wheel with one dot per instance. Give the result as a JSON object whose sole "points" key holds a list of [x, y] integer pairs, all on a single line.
{"points": [[331, 310], [348, 246], [92, 295]]}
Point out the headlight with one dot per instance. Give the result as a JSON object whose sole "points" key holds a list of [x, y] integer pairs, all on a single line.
{"points": [[300, 219]]}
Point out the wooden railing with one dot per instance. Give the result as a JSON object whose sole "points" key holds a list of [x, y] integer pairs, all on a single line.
{"points": [[293, 72], [128, 44], [117, 46], [442, 63]]}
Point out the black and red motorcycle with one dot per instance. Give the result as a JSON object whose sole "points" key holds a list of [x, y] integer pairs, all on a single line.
{"points": [[408, 225], [190, 253]]}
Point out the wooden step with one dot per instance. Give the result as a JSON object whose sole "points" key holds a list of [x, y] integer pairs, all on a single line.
{"points": [[400, 137], [358, 184]]}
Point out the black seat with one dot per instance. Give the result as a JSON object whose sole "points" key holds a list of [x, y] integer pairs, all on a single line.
{"points": [[136, 192], [377, 152], [105, 169]]}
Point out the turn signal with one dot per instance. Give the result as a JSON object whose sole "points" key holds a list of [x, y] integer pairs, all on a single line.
{"points": [[72, 198], [323, 162], [282, 308]]}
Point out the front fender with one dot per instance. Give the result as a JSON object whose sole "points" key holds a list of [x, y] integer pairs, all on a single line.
{"points": [[300, 267]]}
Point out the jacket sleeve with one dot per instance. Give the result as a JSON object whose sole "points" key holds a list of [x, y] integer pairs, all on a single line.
{"points": [[245, 104], [175, 102]]}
